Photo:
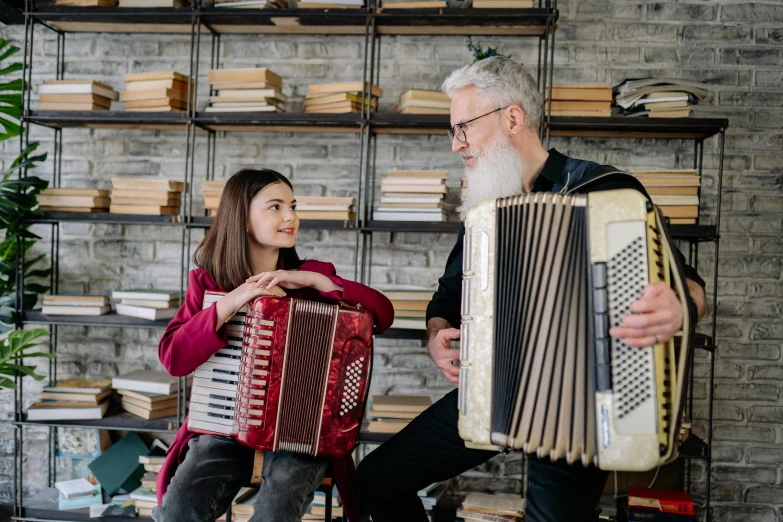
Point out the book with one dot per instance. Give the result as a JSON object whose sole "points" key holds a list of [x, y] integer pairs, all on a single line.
{"points": [[326, 216], [76, 98], [664, 200], [231, 76], [409, 323], [386, 426], [154, 94], [147, 184], [80, 502], [244, 94], [434, 174], [59, 410], [148, 414], [78, 87], [156, 103], [147, 381], [401, 403], [75, 192], [160, 405], [148, 399], [385, 415], [76, 488], [676, 502], [351, 87], [162, 305], [75, 201], [161, 202], [385, 215], [575, 92], [580, 105], [253, 108], [62, 106], [118, 467], [153, 3], [159, 75], [153, 210], [409, 180], [510, 505], [76, 300], [151, 85], [88, 398], [144, 194], [147, 294], [409, 295], [431, 189], [635, 515], [85, 386], [75, 310], [152, 314]]}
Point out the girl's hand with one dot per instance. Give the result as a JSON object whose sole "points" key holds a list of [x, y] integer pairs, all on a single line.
{"points": [[293, 280], [228, 305]]}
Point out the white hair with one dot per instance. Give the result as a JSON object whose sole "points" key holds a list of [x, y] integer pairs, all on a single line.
{"points": [[501, 81]]}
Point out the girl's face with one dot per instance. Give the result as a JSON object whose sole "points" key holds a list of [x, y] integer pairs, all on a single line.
{"points": [[272, 219]]}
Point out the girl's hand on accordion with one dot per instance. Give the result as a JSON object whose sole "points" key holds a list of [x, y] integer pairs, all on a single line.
{"points": [[655, 318], [292, 280], [228, 305]]}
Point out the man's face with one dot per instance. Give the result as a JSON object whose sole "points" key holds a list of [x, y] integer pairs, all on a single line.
{"points": [[466, 105]]}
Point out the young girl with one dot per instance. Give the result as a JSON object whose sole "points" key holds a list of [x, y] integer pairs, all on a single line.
{"points": [[249, 250]]}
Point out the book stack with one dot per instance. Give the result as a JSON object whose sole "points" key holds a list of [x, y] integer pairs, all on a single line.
{"points": [[410, 308], [148, 405], [483, 507], [148, 394], [251, 4], [412, 196], [502, 4], [430, 496], [154, 3], [656, 505], [72, 400], [330, 4], [317, 508], [675, 191], [325, 208], [340, 97], [75, 95], [391, 413], [163, 91], [146, 499], [246, 90], [68, 304], [416, 101], [157, 197], [659, 98], [582, 100], [212, 190], [242, 505], [77, 493], [147, 304], [73, 200]]}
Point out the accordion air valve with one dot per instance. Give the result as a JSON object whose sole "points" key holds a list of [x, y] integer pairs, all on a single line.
{"points": [[544, 278]]}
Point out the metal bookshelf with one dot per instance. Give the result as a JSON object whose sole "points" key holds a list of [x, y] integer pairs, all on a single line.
{"points": [[371, 24]]}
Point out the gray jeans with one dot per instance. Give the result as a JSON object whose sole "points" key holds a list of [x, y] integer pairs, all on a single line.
{"points": [[214, 470]]}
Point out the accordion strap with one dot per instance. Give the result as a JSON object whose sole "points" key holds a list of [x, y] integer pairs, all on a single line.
{"points": [[598, 173]]}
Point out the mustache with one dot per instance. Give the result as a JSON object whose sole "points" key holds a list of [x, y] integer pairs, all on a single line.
{"points": [[465, 154]]}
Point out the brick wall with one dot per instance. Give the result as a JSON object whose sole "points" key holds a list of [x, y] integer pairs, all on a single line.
{"points": [[735, 46]]}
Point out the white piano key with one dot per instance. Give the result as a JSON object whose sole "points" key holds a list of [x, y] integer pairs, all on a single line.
{"points": [[199, 424], [207, 382], [215, 421]]}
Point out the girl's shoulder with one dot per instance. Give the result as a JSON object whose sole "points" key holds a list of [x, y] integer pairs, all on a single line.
{"points": [[203, 279]]}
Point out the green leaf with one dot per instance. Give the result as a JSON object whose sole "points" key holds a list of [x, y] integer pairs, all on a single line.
{"points": [[14, 67], [11, 50]]}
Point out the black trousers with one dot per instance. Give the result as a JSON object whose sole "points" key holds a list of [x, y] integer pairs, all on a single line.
{"points": [[430, 450]]}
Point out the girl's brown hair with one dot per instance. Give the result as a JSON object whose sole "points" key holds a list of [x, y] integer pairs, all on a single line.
{"points": [[224, 252]]}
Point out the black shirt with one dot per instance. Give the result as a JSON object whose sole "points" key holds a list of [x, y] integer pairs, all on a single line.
{"points": [[556, 172]]}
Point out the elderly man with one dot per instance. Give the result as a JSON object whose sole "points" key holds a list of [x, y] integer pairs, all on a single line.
{"points": [[495, 107]]}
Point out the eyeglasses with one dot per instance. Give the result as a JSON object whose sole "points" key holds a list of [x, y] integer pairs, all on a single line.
{"points": [[459, 129]]}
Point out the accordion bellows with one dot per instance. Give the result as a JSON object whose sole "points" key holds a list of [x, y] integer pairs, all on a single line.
{"points": [[544, 278], [294, 377]]}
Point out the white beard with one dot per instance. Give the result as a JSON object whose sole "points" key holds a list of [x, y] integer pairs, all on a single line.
{"points": [[498, 173]]}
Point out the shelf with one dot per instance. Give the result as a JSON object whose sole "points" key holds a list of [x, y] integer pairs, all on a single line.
{"points": [[304, 224], [43, 506], [110, 320], [441, 21], [694, 232], [278, 122], [412, 226], [625, 127], [72, 19], [464, 22], [116, 419], [103, 217], [109, 119]]}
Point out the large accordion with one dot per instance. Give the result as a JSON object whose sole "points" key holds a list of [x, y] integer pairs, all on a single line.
{"points": [[293, 377], [544, 278]]}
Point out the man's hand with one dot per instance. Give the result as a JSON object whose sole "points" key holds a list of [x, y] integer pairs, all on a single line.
{"points": [[440, 336], [655, 318]]}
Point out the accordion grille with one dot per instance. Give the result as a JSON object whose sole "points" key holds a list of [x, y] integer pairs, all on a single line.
{"points": [[632, 371], [305, 372]]}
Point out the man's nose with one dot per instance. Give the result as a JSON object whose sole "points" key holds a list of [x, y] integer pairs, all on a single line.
{"points": [[457, 146]]}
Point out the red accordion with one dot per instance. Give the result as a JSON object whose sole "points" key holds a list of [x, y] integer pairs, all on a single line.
{"points": [[294, 377]]}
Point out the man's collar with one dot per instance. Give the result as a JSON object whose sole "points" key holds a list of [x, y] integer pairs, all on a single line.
{"points": [[554, 167]]}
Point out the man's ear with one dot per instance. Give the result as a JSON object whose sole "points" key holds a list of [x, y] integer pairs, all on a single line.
{"points": [[516, 119]]}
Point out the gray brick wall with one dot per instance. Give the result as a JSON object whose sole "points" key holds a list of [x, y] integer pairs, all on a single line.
{"points": [[735, 46]]}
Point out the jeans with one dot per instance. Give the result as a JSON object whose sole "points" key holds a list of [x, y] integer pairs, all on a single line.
{"points": [[430, 450], [214, 470]]}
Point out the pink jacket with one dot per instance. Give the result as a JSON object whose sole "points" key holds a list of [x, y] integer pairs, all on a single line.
{"points": [[190, 339]]}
